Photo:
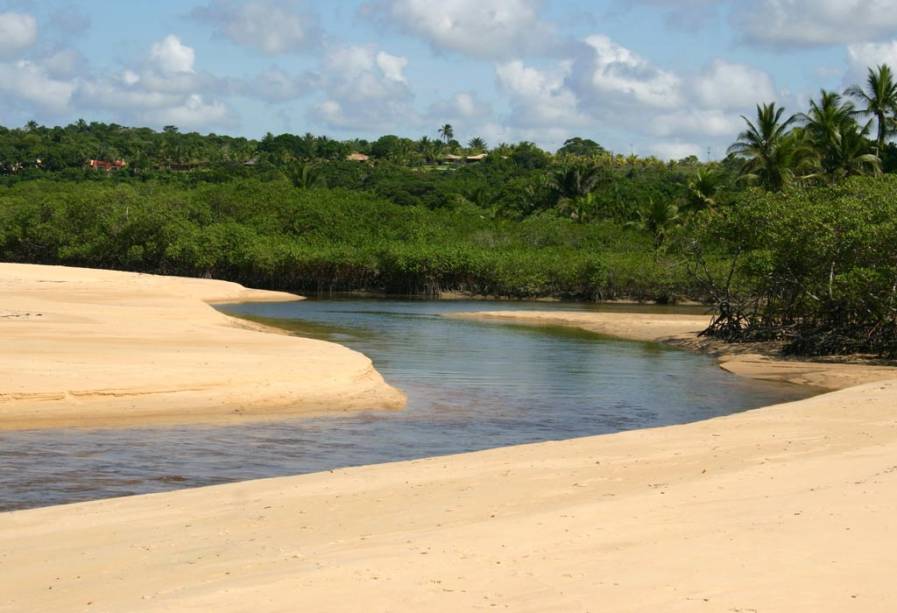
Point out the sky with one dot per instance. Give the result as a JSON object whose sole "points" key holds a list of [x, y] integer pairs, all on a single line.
{"points": [[669, 78]]}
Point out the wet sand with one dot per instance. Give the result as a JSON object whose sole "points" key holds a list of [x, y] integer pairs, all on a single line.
{"points": [[83, 347]]}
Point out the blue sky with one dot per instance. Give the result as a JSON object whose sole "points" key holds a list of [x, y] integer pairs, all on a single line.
{"points": [[662, 77]]}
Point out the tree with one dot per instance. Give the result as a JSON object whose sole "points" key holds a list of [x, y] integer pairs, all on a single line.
{"points": [[704, 189], [879, 100], [771, 153], [582, 147], [657, 219], [447, 132], [839, 143], [477, 144]]}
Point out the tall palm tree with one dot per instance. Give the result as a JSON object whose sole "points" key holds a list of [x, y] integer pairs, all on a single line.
{"points": [[770, 151], [825, 124], [841, 145], [447, 132], [879, 100]]}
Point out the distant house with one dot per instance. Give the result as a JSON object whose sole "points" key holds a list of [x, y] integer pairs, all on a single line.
{"points": [[357, 157], [106, 165], [476, 158], [452, 158]]}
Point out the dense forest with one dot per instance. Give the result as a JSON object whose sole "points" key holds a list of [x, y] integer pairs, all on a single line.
{"points": [[791, 237]]}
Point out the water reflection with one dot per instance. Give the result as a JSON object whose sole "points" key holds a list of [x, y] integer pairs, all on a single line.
{"points": [[470, 385]]}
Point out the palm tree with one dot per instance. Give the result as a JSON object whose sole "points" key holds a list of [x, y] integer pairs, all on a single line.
{"points": [[704, 189], [824, 125], [840, 144], [879, 100], [447, 132], [476, 144], [658, 218], [575, 180], [851, 155], [770, 151]]}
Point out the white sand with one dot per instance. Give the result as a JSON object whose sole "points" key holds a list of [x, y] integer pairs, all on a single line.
{"points": [[82, 347], [791, 509]]}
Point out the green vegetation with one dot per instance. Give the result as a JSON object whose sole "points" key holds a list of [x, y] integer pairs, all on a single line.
{"points": [[791, 237]]}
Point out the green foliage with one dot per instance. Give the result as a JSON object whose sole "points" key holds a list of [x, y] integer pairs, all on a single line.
{"points": [[274, 234], [815, 266]]}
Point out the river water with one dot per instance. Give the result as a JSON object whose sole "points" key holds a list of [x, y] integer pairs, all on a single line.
{"points": [[470, 385]]}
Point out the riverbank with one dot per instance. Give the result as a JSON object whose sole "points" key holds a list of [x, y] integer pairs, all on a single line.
{"points": [[85, 347], [682, 331], [786, 509]]}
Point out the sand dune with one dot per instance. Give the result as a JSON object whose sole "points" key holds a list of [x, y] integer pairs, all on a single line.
{"points": [[83, 347]]}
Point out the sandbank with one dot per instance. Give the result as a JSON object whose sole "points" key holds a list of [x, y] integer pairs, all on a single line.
{"points": [[682, 331], [790, 508], [85, 347]]}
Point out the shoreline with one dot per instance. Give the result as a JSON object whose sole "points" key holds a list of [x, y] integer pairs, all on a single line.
{"points": [[784, 508], [98, 348], [681, 331]]}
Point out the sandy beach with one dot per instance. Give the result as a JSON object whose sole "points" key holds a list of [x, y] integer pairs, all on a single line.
{"points": [[790, 508], [84, 347]]}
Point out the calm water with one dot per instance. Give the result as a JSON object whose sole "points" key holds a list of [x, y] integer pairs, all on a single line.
{"points": [[470, 386]]}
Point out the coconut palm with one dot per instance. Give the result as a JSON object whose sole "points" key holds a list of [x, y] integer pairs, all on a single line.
{"points": [[575, 180], [824, 125], [851, 156], [879, 100], [657, 219], [476, 144], [770, 151], [447, 132], [704, 189], [840, 144]]}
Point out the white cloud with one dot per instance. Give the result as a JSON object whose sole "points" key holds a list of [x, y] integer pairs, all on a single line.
{"points": [[165, 88], [539, 98], [18, 31], [276, 85], [724, 85], [612, 75], [861, 57], [192, 112], [691, 122], [270, 26], [461, 106], [497, 29], [64, 64], [815, 22], [392, 66], [365, 89], [29, 84], [170, 56]]}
